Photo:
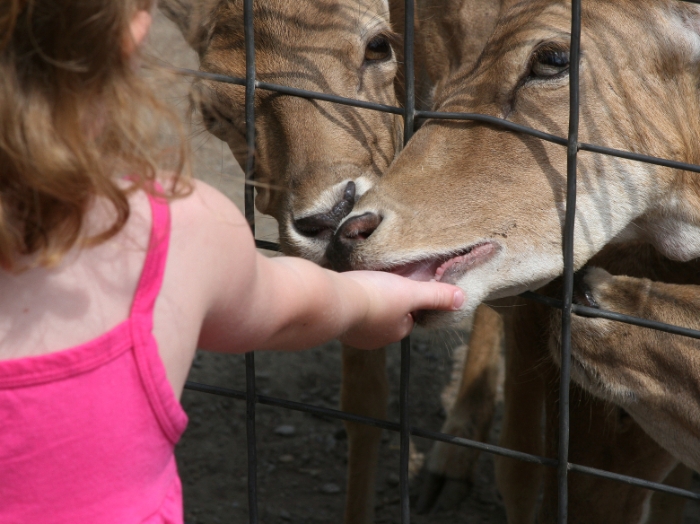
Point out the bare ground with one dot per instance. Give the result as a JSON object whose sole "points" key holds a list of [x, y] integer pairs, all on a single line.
{"points": [[302, 458], [302, 475]]}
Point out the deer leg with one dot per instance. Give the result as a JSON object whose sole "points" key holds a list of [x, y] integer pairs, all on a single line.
{"points": [[364, 391], [521, 428], [668, 509], [450, 469], [602, 436]]}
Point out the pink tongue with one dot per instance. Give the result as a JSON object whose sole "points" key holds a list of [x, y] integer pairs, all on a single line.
{"points": [[423, 271], [463, 261]]}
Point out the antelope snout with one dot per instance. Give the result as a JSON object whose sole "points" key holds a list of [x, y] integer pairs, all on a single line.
{"points": [[322, 225], [348, 237]]}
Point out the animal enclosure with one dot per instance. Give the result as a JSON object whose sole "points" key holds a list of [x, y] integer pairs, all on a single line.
{"points": [[403, 427]]}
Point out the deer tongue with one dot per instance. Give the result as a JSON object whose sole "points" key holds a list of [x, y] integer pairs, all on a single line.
{"points": [[462, 263], [441, 268], [422, 271]]}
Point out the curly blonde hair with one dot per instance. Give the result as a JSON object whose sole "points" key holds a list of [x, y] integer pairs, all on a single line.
{"points": [[74, 115]]}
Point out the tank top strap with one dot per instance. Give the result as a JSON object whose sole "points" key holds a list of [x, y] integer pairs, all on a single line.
{"points": [[154, 266]]}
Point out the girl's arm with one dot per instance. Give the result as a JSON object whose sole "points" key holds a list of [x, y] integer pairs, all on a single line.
{"points": [[296, 304], [254, 302]]}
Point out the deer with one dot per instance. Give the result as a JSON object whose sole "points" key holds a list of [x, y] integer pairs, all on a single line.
{"points": [[478, 368], [491, 206], [606, 432], [315, 159], [668, 411]]}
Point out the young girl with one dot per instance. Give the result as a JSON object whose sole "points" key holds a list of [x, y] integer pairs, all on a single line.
{"points": [[111, 274]]}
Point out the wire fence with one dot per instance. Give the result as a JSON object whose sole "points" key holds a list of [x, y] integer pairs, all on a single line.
{"points": [[566, 305]]}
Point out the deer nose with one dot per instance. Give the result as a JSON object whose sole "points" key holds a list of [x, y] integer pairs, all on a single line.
{"points": [[352, 233], [322, 225]]}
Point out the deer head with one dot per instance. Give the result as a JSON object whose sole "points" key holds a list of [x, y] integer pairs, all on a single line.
{"points": [[313, 159], [483, 207]]}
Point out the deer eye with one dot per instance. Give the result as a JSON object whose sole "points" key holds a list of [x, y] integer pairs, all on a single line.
{"points": [[378, 49], [549, 62]]}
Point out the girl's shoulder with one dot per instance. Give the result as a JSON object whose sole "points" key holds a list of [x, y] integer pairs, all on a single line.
{"points": [[205, 203], [211, 258], [208, 230]]}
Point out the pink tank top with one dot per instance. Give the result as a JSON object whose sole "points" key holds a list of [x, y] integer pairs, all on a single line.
{"points": [[87, 434]]}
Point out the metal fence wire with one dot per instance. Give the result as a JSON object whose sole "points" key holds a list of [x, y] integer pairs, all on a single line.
{"points": [[410, 114]]}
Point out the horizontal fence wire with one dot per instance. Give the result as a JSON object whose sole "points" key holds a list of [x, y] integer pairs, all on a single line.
{"points": [[444, 115], [566, 305], [329, 413], [591, 312]]}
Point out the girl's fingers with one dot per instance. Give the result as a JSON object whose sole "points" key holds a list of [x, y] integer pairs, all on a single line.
{"points": [[458, 299], [439, 296]]}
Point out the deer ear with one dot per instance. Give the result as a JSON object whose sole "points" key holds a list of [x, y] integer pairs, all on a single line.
{"points": [[194, 18]]}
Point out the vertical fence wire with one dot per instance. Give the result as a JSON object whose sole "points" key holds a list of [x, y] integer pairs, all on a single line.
{"points": [[249, 113], [250, 217], [409, 73], [409, 113], [405, 436], [251, 399], [404, 414], [568, 254]]}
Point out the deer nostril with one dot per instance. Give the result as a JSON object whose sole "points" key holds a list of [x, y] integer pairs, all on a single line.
{"points": [[358, 228], [583, 294], [316, 226], [322, 225], [349, 235]]}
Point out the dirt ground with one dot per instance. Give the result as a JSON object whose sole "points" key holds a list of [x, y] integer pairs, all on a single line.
{"points": [[301, 472]]}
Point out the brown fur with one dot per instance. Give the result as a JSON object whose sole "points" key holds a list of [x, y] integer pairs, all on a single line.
{"points": [[471, 184], [651, 374], [602, 435]]}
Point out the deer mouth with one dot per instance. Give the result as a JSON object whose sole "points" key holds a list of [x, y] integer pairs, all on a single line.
{"points": [[447, 268]]}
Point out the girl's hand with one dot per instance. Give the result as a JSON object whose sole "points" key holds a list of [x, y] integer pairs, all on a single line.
{"points": [[391, 300]]}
